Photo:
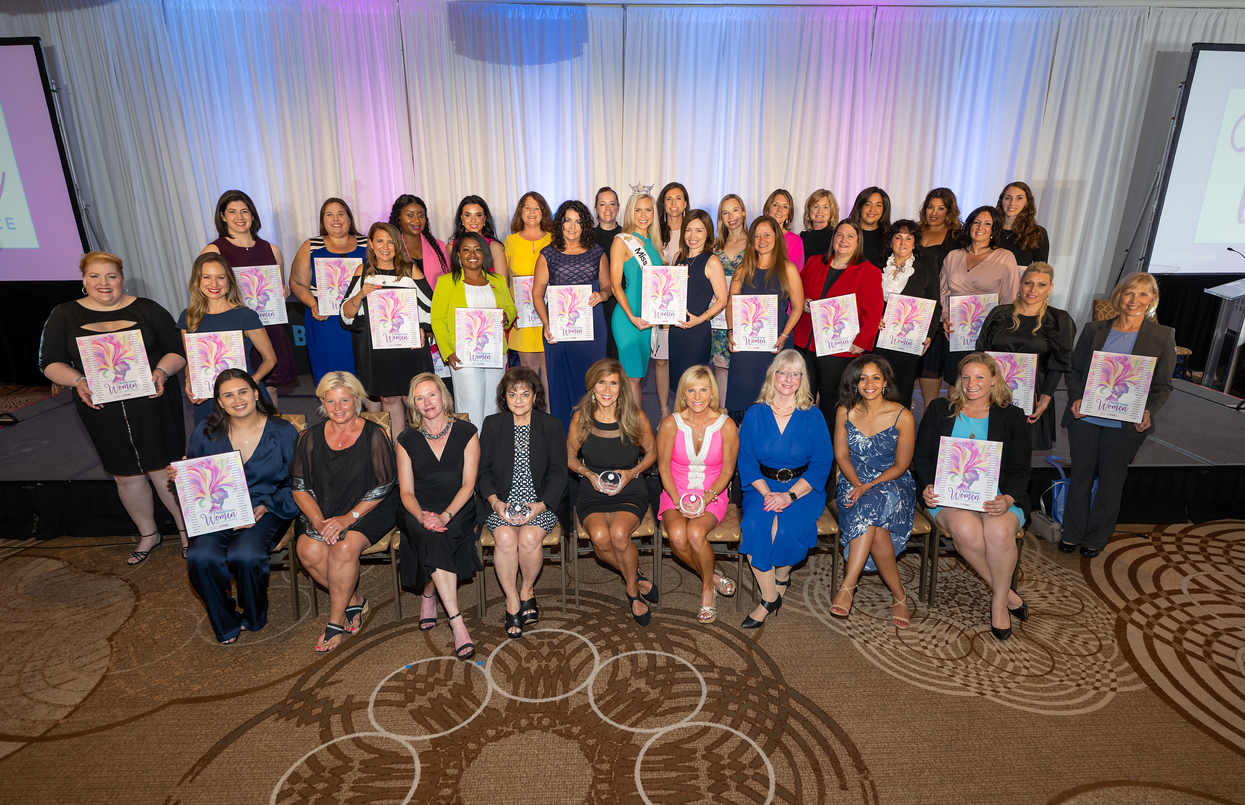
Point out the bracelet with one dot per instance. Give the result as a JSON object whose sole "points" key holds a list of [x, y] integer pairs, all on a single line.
{"points": [[80, 379], [157, 369]]}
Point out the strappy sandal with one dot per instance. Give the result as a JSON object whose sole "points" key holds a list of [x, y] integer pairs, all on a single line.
{"points": [[784, 583], [185, 548], [529, 611], [138, 557], [426, 624], [653, 595], [726, 586], [356, 611], [514, 621], [470, 648], [707, 615], [841, 611], [330, 631], [901, 623]]}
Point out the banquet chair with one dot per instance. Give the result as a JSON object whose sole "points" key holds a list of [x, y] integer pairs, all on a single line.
{"points": [[724, 538], [647, 530], [939, 547], [553, 550], [922, 534]]}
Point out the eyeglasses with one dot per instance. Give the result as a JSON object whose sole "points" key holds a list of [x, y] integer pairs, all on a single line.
{"points": [[789, 375]]}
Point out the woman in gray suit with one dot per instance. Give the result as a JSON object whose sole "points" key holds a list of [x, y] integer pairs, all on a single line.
{"points": [[1104, 448]]}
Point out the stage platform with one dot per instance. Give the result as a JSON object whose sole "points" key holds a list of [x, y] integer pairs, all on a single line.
{"points": [[52, 484]]}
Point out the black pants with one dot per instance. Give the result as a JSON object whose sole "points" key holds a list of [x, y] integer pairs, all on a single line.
{"points": [[826, 375], [905, 367], [1104, 453]]}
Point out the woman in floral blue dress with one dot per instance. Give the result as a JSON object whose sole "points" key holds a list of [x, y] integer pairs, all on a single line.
{"points": [[874, 435]]}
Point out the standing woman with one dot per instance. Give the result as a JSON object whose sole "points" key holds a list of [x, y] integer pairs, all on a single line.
{"points": [[874, 434], [611, 434], [940, 232], [1031, 325], [386, 373], [1022, 236], [872, 211], [821, 213], [216, 306], [785, 458], [765, 269], [841, 272], [979, 266], [473, 216], [329, 347], [671, 213], [420, 247], [607, 206], [640, 242], [571, 259], [1103, 448], [437, 461], [691, 340], [908, 272], [471, 283], [728, 246], [529, 234], [237, 225], [522, 461], [781, 207], [241, 420], [697, 447], [135, 439]]}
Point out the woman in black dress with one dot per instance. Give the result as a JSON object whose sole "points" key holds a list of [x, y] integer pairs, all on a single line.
{"points": [[387, 373], [524, 463], [1032, 326], [1021, 234], [940, 232], [908, 272], [137, 438], [437, 461], [872, 211], [691, 340], [344, 477], [610, 435]]}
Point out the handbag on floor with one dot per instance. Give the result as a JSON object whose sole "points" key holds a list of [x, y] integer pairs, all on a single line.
{"points": [[1050, 526]]}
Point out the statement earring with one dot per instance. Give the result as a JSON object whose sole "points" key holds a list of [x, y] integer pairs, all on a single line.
{"points": [[84, 289]]}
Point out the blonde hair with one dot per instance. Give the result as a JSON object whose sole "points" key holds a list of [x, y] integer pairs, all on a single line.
{"points": [[340, 380], [818, 195], [417, 419], [654, 228], [628, 411], [198, 302], [99, 257], [696, 374], [1128, 283], [1045, 269], [723, 231], [1000, 394], [787, 360]]}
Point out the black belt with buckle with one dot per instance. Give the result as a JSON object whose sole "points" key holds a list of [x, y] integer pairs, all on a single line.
{"points": [[784, 475]]}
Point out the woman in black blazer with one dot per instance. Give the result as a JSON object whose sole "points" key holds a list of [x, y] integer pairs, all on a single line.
{"points": [[986, 540], [523, 479], [908, 271], [1104, 448]]}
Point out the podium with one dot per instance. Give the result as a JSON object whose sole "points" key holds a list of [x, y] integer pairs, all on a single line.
{"points": [[1231, 305]]}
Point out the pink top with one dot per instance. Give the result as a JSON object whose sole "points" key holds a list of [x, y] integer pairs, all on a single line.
{"points": [[795, 250], [998, 273], [694, 471]]}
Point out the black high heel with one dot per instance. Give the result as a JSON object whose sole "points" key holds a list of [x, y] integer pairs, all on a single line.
{"points": [[653, 595], [771, 607], [640, 619], [786, 583], [529, 611], [514, 621], [426, 624], [469, 648]]}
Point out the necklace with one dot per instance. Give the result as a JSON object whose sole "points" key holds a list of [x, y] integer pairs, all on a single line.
{"points": [[246, 438], [780, 410], [434, 437]]}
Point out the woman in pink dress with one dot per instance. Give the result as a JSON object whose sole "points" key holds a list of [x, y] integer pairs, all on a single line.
{"points": [[696, 448]]}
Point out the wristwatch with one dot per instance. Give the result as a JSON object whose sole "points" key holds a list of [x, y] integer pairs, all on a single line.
{"points": [[793, 496], [354, 514]]}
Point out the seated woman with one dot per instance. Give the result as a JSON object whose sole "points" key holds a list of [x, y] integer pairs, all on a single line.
{"points": [[242, 420], [696, 450], [523, 479], [610, 436], [344, 478], [785, 456], [873, 437], [979, 406], [437, 460]]}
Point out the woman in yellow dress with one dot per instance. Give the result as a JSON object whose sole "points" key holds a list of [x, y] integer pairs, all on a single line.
{"points": [[530, 230]]}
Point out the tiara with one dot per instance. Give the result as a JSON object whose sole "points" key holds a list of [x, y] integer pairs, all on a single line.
{"points": [[641, 189]]}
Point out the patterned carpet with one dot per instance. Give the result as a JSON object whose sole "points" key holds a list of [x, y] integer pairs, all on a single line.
{"points": [[1126, 685]]}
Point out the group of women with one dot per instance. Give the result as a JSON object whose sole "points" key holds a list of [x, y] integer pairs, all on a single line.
{"points": [[349, 482]]}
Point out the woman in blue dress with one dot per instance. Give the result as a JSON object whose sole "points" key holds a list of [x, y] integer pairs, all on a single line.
{"points": [[640, 241], [572, 258], [876, 496], [785, 456], [242, 420]]}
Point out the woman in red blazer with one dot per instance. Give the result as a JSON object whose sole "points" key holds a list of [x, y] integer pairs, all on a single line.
{"points": [[842, 271]]}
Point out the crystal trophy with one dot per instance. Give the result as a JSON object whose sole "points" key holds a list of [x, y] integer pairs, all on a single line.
{"points": [[611, 481], [692, 504]]}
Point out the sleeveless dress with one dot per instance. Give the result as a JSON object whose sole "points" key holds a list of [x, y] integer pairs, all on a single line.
{"points": [[601, 453], [888, 505], [691, 347], [330, 348], [437, 482], [521, 255], [747, 370], [721, 345], [567, 362], [634, 346], [694, 471], [388, 372], [286, 370], [522, 487]]}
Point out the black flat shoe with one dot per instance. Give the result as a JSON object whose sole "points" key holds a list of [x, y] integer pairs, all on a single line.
{"points": [[529, 611], [1090, 553], [640, 619], [653, 595], [138, 557], [771, 607], [1066, 547], [514, 621]]}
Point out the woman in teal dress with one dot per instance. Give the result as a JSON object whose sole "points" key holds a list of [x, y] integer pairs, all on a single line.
{"points": [[640, 235]]}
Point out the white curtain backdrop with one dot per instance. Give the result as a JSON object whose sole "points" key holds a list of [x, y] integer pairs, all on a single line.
{"points": [[170, 102]]}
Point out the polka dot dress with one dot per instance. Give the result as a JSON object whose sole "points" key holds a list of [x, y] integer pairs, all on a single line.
{"points": [[521, 488]]}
